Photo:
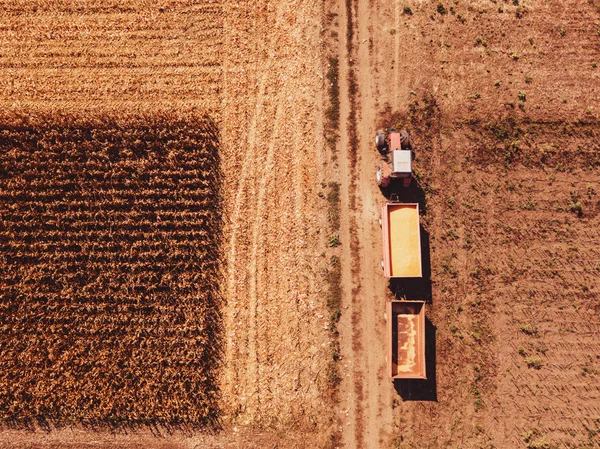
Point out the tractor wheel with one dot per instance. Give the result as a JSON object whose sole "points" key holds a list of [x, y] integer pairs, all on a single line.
{"points": [[380, 222], [380, 141], [379, 176], [405, 140]]}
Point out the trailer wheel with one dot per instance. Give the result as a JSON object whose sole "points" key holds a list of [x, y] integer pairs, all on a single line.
{"points": [[379, 176], [382, 266], [380, 141]]}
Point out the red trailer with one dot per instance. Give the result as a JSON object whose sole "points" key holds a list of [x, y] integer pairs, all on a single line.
{"points": [[406, 340]]}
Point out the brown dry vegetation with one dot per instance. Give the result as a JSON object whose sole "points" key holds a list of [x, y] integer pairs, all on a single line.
{"points": [[150, 69], [277, 325], [109, 248]]}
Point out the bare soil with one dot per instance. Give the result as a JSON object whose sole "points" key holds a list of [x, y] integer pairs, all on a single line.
{"points": [[506, 136]]}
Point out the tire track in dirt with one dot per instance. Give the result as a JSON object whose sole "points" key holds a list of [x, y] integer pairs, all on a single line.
{"points": [[378, 390], [246, 172], [235, 220], [258, 229], [276, 320]]}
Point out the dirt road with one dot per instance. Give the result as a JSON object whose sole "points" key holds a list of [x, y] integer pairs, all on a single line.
{"points": [[367, 393]]}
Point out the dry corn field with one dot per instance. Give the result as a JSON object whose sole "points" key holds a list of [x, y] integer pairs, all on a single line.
{"points": [[109, 244]]}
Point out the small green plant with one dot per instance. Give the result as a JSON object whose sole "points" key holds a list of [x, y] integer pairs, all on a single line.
{"points": [[449, 269], [528, 329], [451, 234], [334, 241], [594, 64], [529, 436], [591, 191], [519, 12], [478, 399], [539, 444], [575, 207], [497, 83], [441, 9], [480, 41], [529, 205], [533, 441], [514, 56], [522, 96], [589, 370], [476, 96], [528, 79], [562, 32], [407, 11], [512, 150], [534, 362], [522, 351]]}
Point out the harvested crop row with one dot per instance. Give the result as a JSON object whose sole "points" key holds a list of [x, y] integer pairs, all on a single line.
{"points": [[109, 249], [105, 54]]}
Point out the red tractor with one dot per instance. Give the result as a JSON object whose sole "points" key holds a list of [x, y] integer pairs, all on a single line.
{"points": [[396, 151]]}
